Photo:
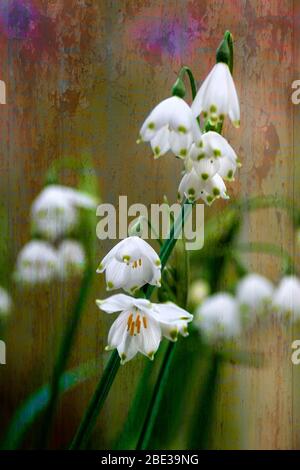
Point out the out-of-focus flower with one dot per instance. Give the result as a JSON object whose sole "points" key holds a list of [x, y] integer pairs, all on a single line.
{"points": [[141, 325], [131, 264], [5, 303], [217, 97], [213, 155], [71, 258], [218, 317], [287, 297], [253, 293], [171, 126], [194, 188], [55, 213], [37, 263], [198, 291]]}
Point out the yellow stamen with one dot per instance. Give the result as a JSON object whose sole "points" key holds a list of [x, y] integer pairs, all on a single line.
{"points": [[138, 324], [132, 328], [140, 262], [129, 322], [145, 322]]}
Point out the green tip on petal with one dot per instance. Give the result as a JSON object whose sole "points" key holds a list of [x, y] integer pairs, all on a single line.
{"points": [[123, 358], [110, 285], [236, 123], [216, 192], [151, 355], [204, 176], [100, 268], [174, 335]]}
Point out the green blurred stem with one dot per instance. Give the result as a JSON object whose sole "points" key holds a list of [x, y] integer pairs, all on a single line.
{"points": [[156, 398], [63, 356], [98, 399], [203, 414]]}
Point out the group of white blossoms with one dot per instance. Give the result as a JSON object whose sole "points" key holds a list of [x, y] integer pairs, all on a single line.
{"points": [[208, 158], [51, 253], [223, 316], [132, 263]]}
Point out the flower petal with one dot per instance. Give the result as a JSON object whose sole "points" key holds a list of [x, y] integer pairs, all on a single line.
{"points": [[160, 142], [116, 303], [149, 338]]}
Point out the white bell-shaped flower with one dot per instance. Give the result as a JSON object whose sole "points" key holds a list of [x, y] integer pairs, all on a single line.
{"points": [[131, 264], [213, 155], [55, 213], [254, 292], [141, 325], [5, 303], [217, 97], [71, 258], [218, 317], [194, 188], [171, 126], [37, 263], [287, 297]]}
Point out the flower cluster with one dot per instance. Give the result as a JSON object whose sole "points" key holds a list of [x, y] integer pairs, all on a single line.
{"points": [[222, 316], [54, 215], [209, 159], [141, 325]]}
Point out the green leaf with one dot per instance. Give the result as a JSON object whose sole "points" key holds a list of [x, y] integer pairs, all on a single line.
{"points": [[28, 411]]}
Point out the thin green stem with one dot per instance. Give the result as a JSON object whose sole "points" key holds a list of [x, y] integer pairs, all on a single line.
{"points": [[156, 398], [186, 70], [63, 357], [98, 399]]}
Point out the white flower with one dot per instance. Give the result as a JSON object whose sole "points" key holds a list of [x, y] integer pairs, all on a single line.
{"points": [[287, 297], [254, 292], [193, 188], [5, 303], [198, 291], [71, 258], [171, 125], [37, 263], [141, 325], [217, 97], [54, 212], [213, 155], [131, 264], [218, 317]]}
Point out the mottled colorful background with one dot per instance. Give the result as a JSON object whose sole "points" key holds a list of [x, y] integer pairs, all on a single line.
{"points": [[81, 75]]}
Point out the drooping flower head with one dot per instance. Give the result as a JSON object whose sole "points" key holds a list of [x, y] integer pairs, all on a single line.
{"points": [[171, 126], [254, 292], [213, 155], [71, 259], [217, 97], [131, 264], [54, 212], [141, 325], [287, 297], [194, 188], [218, 317], [37, 263]]}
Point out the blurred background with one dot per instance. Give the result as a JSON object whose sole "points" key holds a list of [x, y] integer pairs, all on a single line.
{"points": [[81, 76]]}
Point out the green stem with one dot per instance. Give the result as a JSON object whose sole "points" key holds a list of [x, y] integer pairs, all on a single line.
{"points": [[63, 356], [186, 70], [156, 398], [97, 401]]}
